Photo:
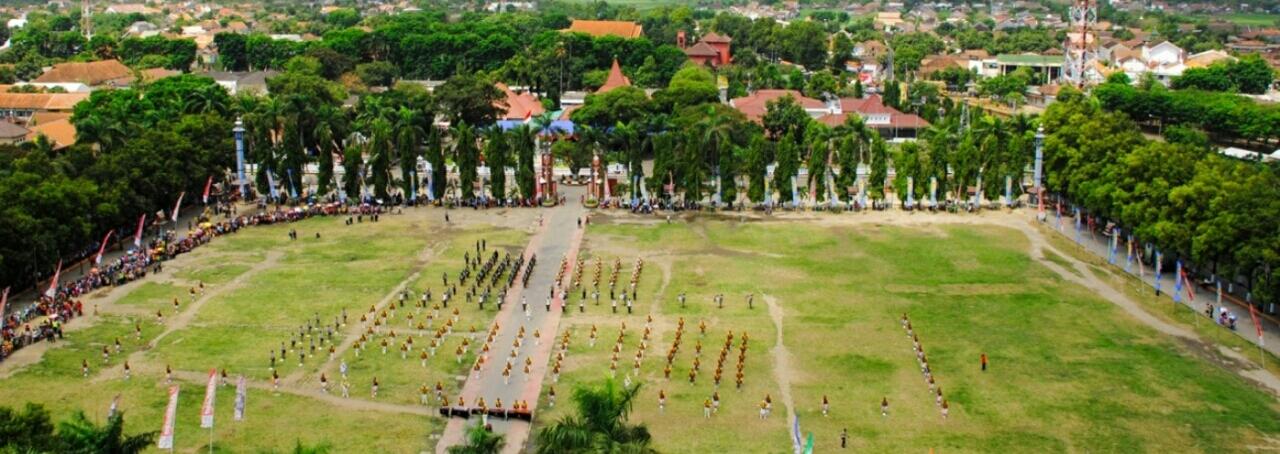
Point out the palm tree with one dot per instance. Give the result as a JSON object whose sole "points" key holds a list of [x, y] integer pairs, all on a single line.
{"points": [[480, 440], [79, 435], [599, 425]]}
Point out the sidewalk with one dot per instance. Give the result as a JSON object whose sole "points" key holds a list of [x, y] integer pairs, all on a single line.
{"points": [[1099, 245]]}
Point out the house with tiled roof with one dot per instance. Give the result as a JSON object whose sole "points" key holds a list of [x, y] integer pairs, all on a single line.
{"points": [[598, 28], [889, 122], [131, 8], [20, 107], [60, 133], [711, 50], [77, 76], [519, 106], [12, 133], [754, 105], [1206, 58]]}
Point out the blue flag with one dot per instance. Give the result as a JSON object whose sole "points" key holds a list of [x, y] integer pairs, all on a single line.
{"points": [[1177, 281], [271, 184], [1159, 257]]}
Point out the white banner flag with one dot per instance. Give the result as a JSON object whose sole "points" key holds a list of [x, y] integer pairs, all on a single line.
{"points": [[240, 398], [170, 414], [206, 410], [177, 207]]}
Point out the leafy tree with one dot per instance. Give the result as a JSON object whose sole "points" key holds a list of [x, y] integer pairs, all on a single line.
{"points": [[79, 435], [692, 85], [879, 167], [620, 105], [787, 166], [480, 440], [497, 154], [599, 423], [377, 74], [784, 116], [471, 99], [232, 51], [522, 141]]}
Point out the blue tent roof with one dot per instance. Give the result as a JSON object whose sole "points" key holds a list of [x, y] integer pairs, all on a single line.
{"points": [[564, 127]]}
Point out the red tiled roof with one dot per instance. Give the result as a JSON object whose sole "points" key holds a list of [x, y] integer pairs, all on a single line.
{"points": [[701, 49], [597, 28], [616, 79], [714, 37], [519, 106], [756, 104], [91, 73], [872, 105], [61, 133]]}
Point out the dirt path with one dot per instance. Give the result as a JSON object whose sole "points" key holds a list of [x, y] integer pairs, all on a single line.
{"points": [[1084, 277], [334, 397], [782, 363]]}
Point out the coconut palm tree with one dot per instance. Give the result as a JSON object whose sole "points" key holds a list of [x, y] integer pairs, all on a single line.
{"points": [[480, 440], [598, 425], [79, 435]]}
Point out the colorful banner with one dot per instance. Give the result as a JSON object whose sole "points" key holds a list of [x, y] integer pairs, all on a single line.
{"points": [[911, 192], [115, 405], [1128, 260], [53, 284], [241, 396], [170, 416], [1191, 288], [208, 184], [293, 190], [1177, 281], [1159, 269], [1257, 326], [210, 392], [271, 185], [1008, 191], [137, 236], [102, 248], [796, 442], [1112, 246], [933, 191], [177, 207]]}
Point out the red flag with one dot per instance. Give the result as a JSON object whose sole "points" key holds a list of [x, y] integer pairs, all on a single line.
{"points": [[103, 247], [208, 184], [170, 412], [178, 207], [206, 410], [1252, 314], [137, 237], [53, 284]]}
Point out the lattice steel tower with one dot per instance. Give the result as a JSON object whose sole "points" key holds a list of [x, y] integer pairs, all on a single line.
{"points": [[1080, 50]]}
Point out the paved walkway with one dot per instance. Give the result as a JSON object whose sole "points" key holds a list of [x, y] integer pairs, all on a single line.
{"points": [[1099, 245], [557, 237]]}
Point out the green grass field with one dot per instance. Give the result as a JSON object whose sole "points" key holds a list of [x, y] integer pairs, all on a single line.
{"points": [[1248, 19], [1069, 371]]}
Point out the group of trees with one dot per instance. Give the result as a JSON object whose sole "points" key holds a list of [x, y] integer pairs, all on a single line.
{"points": [[151, 144], [1225, 116], [1249, 74], [1177, 195]]}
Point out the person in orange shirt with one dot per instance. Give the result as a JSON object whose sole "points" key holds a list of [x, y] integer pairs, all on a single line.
{"points": [[984, 362]]}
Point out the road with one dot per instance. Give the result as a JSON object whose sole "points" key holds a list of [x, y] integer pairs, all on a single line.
{"points": [[558, 237]]}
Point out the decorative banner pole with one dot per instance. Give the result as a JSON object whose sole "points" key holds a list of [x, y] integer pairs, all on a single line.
{"points": [[240, 180]]}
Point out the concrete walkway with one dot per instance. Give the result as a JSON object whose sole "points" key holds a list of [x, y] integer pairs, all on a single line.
{"points": [[558, 237], [1099, 245]]}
